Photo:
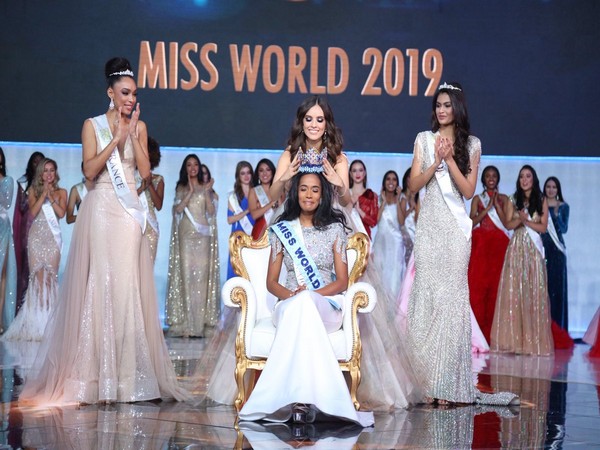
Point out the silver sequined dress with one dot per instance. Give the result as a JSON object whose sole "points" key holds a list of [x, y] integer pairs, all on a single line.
{"points": [[439, 323]]}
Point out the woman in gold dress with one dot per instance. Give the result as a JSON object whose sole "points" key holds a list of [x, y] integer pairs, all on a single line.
{"points": [[189, 308], [522, 316]]}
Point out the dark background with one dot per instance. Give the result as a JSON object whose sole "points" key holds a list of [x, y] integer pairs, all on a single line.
{"points": [[529, 69]]}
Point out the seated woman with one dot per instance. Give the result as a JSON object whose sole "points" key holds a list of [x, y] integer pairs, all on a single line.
{"points": [[302, 377]]}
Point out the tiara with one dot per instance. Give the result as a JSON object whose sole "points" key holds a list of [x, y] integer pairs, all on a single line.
{"points": [[449, 86], [311, 160], [122, 72]]}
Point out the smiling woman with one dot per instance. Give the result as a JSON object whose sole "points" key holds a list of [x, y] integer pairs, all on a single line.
{"points": [[104, 342]]}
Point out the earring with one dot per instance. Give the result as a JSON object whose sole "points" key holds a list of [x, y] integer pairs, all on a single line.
{"points": [[111, 105]]}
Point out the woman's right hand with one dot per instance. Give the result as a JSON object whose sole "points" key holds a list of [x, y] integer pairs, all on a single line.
{"points": [[293, 168]]}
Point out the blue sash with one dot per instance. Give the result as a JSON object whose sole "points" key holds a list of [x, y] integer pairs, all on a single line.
{"points": [[306, 269]]}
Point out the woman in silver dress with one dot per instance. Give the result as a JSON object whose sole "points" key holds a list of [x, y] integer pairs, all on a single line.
{"points": [[445, 160]]}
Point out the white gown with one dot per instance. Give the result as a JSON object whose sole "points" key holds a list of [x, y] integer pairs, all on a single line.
{"points": [[295, 372], [388, 249]]}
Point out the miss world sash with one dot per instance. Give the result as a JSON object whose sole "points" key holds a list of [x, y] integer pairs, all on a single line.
{"points": [[52, 223], [457, 206], [305, 268], [493, 214], [237, 209], [128, 200]]}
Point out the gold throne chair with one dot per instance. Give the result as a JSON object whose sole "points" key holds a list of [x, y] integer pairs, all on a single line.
{"points": [[250, 260]]}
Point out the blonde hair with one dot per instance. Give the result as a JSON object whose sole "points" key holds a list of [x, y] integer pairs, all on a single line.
{"points": [[38, 183]]}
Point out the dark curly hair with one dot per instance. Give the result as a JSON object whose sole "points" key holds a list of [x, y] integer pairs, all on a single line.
{"points": [[462, 126], [495, 169]]}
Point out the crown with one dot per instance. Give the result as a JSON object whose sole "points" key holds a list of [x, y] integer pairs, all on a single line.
{"points": [[122, 72], [311, 160], [449, 86]]}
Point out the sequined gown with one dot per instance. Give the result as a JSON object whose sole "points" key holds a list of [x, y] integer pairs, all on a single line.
{"points": [[151, 234], [302, 367], [8, 265], [104, 341], [190, 306], [522, 321], [42, 290], [21, 223], [439, 327], [556, 266]]}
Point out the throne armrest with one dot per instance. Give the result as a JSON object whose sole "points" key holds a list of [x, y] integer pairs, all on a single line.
{"points": [[237, 292], [370, 300], [360, 297]]}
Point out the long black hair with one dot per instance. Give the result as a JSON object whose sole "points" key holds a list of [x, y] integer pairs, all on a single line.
{"points": [[385, 175], [183, 176], [31, 166], [325, 214], [2, 163], [559, 195], [267, 162], [536, 199], [462, 126]]}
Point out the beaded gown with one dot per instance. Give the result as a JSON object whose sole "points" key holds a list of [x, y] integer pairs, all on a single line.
{"points": [[190, 305], [302, 367], [522, 321], [152, 234], [21, 223], [556, 267], [439, 313], [42, 290], [8, 265], [104, 341]]}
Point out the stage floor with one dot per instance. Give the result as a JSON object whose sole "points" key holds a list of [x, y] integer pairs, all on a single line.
{"points": [[560, 408]]}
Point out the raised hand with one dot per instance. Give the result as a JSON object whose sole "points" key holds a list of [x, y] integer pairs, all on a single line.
{"points": [[331, 175], [133, 123], [292, 168]]}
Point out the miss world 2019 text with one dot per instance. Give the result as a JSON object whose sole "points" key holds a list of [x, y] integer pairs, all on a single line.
{"points": [[291, 70]]}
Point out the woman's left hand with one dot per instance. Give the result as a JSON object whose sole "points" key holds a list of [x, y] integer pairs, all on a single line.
{"points": [[133, 123], [331, 175], [524, 216]]}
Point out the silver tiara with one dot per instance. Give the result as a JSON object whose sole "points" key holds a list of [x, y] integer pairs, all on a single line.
{"points": [[122, 72], [449, 86]]}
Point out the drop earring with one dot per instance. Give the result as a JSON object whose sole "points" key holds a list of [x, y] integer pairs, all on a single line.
{"points": [[111, 105]]}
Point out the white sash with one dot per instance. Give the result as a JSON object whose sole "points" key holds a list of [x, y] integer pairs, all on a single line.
{"points": [[151, 218], [128, 200], [457, 207], [554, 235], [305, 268], [263, 199], [493, 214], [82, 191], [204, 230], [52, 223], [237, 209], [535, 238]]}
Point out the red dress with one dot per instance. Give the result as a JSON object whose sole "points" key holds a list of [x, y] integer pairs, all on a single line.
{"points": [[488, 248], [369, 205]]}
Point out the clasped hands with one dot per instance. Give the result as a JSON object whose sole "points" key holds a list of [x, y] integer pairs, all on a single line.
{"points": [[442, 151], [119, 126]]}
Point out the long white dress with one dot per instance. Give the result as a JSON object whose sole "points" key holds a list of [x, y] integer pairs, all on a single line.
{"points": [[104, 341], [302, 367], [388, 249]]}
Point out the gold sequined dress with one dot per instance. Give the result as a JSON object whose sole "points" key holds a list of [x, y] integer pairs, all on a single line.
{"points": [[191, 305], [522, 321], [152, 234], [439, 312], [104, 340]]}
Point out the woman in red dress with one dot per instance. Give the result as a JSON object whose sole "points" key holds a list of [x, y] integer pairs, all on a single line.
{"points": [[364, 200], [490, 239]]}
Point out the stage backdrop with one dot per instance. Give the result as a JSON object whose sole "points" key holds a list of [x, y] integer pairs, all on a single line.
{"points": [[229, 74], [578, 178]]}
